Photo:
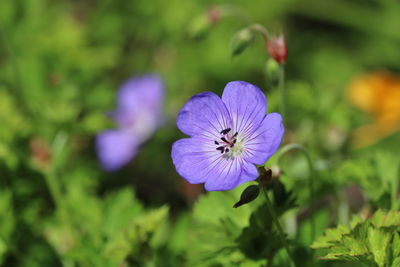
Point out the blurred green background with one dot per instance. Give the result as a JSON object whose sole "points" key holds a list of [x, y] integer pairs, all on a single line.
{"points": [[61, 63]]}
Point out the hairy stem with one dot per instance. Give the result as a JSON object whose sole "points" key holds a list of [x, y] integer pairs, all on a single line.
{"points": [[261, 29]]}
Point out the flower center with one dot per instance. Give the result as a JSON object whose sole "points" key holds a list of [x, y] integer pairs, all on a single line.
{"points": [[227, 142]]}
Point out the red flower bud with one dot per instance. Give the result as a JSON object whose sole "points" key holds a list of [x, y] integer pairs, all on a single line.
{"points": [[276, 46]]}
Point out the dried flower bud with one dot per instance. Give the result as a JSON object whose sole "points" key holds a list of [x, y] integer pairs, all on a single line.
{"points": [[265, 177], [276, 46]]}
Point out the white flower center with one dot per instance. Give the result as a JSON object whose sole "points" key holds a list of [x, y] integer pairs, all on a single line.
{"points": [[229, 145]]}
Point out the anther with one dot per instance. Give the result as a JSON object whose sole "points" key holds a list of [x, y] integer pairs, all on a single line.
{"points": [[220, 148], [236, 134], [225, 131], [215, 142], [226, 150], [223, 139]]}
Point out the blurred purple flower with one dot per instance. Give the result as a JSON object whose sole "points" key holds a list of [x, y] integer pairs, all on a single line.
{"points": [[228, 137], [138, 115]]}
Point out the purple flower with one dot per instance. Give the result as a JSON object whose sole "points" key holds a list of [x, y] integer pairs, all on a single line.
{"points": [[138, 115], [228, 137]]}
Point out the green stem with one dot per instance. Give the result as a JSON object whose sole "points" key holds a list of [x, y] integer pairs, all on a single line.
{"points": [[278, 226], [281, 86], [312, 174], [395, 187]]}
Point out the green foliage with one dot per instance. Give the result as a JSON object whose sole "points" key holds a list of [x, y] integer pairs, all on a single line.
{"points": [[15, 126], [7, 223], [215, 227], [377, 175], [374, 241], [116, 230], [61, 63], [224, 236]]}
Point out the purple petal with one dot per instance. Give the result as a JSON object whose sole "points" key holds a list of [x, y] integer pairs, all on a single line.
{"points": [[249, 172], [223, 174], [263, 143], [192, 157], [246, 104], [204, 115], [197, 160], [141, 91], [115, 148]]}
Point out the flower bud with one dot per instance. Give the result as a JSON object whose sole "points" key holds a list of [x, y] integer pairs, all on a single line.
{"points": [[249, 194], [276, 46], [241, 40], [202, 24], [272, 71]]}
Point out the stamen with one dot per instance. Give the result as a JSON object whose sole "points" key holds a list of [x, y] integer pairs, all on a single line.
{"points": [[225, 131], [220, 148], [227, 142]]}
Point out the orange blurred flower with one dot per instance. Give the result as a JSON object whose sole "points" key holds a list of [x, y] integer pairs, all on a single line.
{"points": [[378, 94]]}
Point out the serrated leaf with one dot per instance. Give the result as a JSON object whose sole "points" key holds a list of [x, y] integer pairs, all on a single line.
{"points": [[374, 241], [389, 219], [331, 237], [378, 241]]}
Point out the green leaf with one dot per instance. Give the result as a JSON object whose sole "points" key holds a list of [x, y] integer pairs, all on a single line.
{"points": [[378, 241], [374, 241]]}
